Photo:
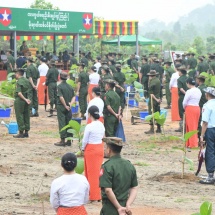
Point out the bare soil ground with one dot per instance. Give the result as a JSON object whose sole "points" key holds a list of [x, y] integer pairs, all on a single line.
{"points": [[28, 166]]}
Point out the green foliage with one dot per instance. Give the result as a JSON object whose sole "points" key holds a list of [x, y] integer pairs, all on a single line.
{"points": [[190, 162], [42, 4], [77, 130], [130, 76], [80, 166], [205, 209], [188, 135], [8, 87], [160, 119], [210, 79]]}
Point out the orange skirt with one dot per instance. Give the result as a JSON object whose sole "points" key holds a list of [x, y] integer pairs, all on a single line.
{"points": [[101, 119], [41, 91], [72, 211], [93, 159], [90, 89], [174, 109], [192, 114]]}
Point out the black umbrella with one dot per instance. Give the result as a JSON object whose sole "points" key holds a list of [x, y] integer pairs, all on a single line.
{"points": [[45, 99], [201, 159]]}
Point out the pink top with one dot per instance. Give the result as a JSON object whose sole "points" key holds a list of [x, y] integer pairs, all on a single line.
{"points": [[192, 97]]}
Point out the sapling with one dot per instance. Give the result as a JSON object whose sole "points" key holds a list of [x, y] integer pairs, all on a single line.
{"points": [[205, 209]]}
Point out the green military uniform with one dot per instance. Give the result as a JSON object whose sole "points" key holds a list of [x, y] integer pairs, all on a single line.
{"points": [[192, 63], [83, 78], [32, 72], [212, 66], [102, 83], [51, 82], [113, 68], [22, 109], [206, 66], [73, 61], [85, 61], [110, 121], [134, 64], [168, 75], [145, 69], [119, 175], [120, 78], [181, 84], [10, 60], [64, 116], [201, 67]]}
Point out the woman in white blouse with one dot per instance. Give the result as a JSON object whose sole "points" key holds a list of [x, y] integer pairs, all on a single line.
{"points": [[70, 192], [94, 78], [192, 111], [93, 149], [173, 86], [97, 101]]}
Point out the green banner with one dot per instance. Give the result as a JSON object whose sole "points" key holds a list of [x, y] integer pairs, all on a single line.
{"points": [[52, 21]]}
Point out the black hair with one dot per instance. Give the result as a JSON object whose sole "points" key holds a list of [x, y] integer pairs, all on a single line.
{"points": [[93, 68], [69, 162], [191, 81], [94, 112], [177, 66], [96, 90], [106, 69], [118, 69], [112, 85], [114, 148]]}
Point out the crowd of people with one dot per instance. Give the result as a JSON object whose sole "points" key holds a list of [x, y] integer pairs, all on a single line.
{"points": [[101, 94]]}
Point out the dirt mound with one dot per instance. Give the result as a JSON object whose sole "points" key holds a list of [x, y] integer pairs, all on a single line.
{"points": [[174, 177]]}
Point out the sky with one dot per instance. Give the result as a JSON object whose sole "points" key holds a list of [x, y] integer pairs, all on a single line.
{"points": [[137, 10]]}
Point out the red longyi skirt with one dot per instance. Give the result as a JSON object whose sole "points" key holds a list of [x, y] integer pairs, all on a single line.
{"points": [[80, 210]]}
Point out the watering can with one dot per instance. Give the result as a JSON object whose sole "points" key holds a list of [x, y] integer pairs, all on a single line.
{"points": [[12, 127]]}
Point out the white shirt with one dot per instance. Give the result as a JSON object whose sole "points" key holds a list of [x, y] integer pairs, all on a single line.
{"points": [[70, 191], [173, 80], [208, 113], [192, 97], [43, 69], [93, 133], [98, 102], [97, 65], [94, 78]]}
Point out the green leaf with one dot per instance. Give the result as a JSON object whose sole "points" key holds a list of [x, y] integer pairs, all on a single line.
{"points": [[75, 125], [188, 135], [196, 214], [72, 131], [176, 138], [65, 127], [190, 162], [82, 129], [206, 208], [148, 118]]}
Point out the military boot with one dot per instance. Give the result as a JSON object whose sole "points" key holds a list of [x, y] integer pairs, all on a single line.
{"points": [[209, 180], [50, 113], [158, 129], [180, 126], [20, 135], [150, 131], [26, 134], [36, 114], [61, 143], [68, 142]]}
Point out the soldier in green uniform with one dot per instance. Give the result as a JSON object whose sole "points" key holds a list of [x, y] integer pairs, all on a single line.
{"points": [[206, 66], [118, 180], [65, 100], [22, 105], [33, 75], [84, 60], [105, 74], [24, 48], [51, 82], [10, 62], [112, 67], [73, 60], [212, 64], [182, 88], [191, 66], [145, 69], [184, 60], [200, 66], [154, 93], [200, 80], [134, 64], [168, 74], [82, 89], [112, 108], [119, 77]]}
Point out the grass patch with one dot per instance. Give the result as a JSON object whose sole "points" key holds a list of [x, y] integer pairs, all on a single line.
{"points": [[49, 134], [181, 200], [141, 164]]}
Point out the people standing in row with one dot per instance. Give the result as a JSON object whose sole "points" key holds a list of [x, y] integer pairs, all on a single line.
{"points": [[82, 89], [33, 75], [208, 134], [118, 180], [94, 78], [192, 111], [70, 192], [154, 99], [22, 104], [51, 83], [173, 86], [182, 88], [93, 149], [65, 100]]}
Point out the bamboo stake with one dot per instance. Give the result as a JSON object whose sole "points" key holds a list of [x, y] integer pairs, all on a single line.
{"points": [[153, 118], [184, 155]]}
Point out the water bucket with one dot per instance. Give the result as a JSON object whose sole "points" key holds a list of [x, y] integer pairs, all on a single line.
{"points": [[75, 109], [143, 114], [13, 128], [132, 103], [77, 120], [163, 111], [5, 113]]}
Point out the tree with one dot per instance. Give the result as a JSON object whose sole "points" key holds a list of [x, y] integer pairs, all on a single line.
{"points": [[199, 45], [42, 4]]}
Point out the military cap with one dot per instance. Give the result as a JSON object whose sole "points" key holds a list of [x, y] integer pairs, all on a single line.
{"points": [[38, 55], [192, 53], [63, 75], [212, 56], [178, 55], [183, 69], [113, 140], [210, 90], [200, 58], [118, 65], [104, 62], [81, 64], [152, 73], [43, 59], [178, 60], [145, 58], [110, 81], [30, 59], [201, 77], [98, 58], [168, 62]]}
